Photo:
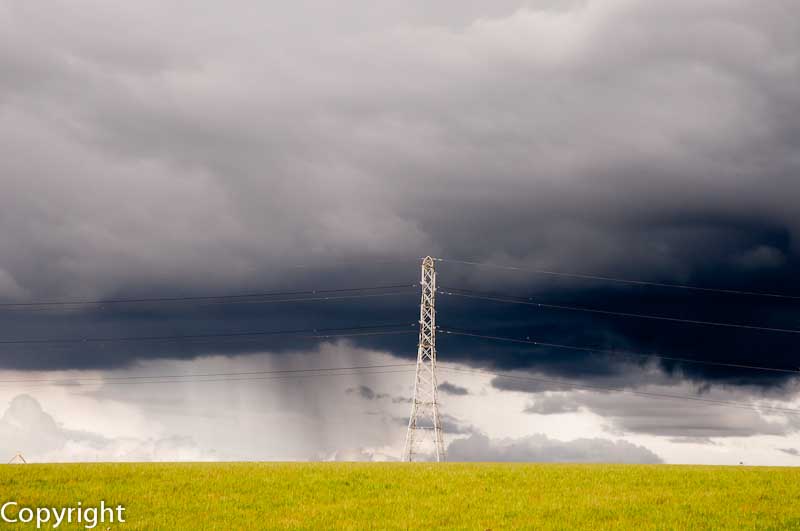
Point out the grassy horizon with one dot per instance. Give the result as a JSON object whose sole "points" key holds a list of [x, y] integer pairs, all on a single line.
{"points": [[415, 496]]}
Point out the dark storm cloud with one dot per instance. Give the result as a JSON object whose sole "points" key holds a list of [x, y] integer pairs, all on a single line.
{"points": [[151, 149]]}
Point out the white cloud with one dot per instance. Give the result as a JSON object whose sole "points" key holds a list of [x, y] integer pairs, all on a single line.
{"points": [[26, 428], [360, 454]]}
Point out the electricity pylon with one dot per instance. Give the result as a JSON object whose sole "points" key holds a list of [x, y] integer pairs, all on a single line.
{"points": [[18, 459], [425, 424]]}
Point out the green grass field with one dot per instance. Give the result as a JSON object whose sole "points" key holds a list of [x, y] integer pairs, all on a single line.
{"points": [[419, 496]]}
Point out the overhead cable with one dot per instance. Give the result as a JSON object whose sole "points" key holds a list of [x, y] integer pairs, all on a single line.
{"points": [[530, 301], [622, 280], [613, 352], [229, 298], [317, 333]]}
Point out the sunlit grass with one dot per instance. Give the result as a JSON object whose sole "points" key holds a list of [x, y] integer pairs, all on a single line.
{"points": [[418, 496]]}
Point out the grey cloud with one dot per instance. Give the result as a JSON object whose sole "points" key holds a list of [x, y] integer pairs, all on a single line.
{"points": [[450, 424], [453, 389], [677, 419], [552, 405], [529, 386], [762, 257], [590, 166], [693, 440], [365, 392], [540, 448], [454, 425], [790, 451], [602, 370]]}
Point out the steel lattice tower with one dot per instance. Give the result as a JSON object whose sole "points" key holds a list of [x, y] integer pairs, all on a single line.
{"points": [[425, 424]]}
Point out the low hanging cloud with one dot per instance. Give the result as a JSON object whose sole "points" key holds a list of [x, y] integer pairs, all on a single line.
{"points": [[453, 389], [359, 454], [540, 448], [366, 392], [627, 413]]}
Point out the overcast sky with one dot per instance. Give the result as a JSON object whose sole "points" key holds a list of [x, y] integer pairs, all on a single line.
{"points": [[155, 149]]}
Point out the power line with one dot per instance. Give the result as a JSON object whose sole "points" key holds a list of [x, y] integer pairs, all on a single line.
{"points": [[246, 379], [251, 301], [646, 394], [326, 298], [614, 352], [317, 333], [222, 297], [458, 292], [356, 263], [622, 280], [155, 378]]}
